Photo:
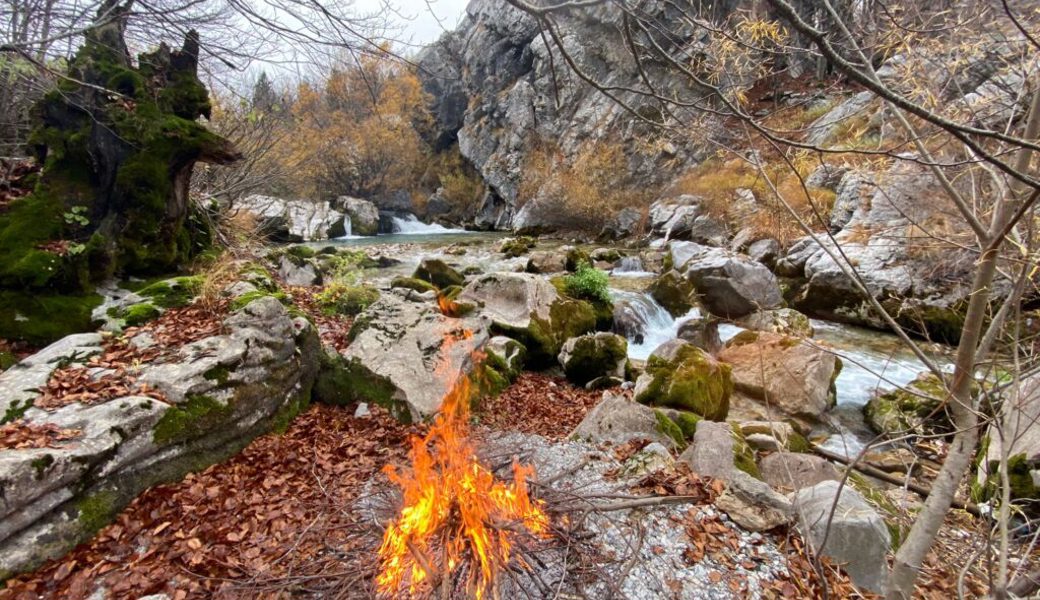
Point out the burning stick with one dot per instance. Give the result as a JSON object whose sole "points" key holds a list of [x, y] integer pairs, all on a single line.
{"points": [[452, 500]]}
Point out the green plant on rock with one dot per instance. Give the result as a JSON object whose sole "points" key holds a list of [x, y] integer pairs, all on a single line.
{"points": [[588, 283]]}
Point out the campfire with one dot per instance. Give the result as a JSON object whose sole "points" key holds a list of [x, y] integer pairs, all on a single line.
{"points": [[459, 524]]}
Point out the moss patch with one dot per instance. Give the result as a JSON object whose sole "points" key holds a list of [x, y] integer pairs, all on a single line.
{"points": [[594, 356], [173, 293], [40, 318], [674, 292], [97, 510], [693, 382], [197, 415], [413, 283]]}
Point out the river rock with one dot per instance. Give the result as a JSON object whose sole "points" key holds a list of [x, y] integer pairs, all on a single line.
{"points": [[764, 251], [730, 285], [777, 376], [618, 420], [594, 355], [629, 321], [530, 308], [220, 391], [621, 225], [702, 332], [405, 356], [839, 523], [509, 352], [786, 321], [681, 375], [1021, 427], [294, 220], [547, 261], [296, 271], [674, 292], [792, 471], [712, 450], [363, 215], [438, 273], [752, 504]]}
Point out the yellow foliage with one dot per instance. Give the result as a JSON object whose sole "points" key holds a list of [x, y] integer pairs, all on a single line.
{"points": [[584, 193], [778, 190]]}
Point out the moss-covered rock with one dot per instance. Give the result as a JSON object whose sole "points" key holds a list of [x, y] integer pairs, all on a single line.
{"points": [[438, 273], [917, 409], [592, 356], [518, 246], [682, 376], [413, 283], [575, 258], [674, 292], [42, 318], [173, 293]]}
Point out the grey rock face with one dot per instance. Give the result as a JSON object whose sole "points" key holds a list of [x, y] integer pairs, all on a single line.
{"points": [[221, 391], [729, 284], [294, 220], [854, 534], [298, 272], [764, 251], [410, 354], [752, 504], [622, 225], [617, 420], [711, 453], [792, 471], [702, 332], [363, 215]]}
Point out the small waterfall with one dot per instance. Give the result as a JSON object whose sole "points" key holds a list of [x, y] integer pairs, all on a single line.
{"points": [[644, 322], [347, 226], [411, 225], [630, 266]]}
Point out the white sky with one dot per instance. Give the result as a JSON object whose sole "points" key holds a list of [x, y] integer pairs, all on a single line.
{"points": [[419, 18]]}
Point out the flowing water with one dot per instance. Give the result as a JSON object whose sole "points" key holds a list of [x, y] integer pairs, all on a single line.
{"points": [[872, 360]]}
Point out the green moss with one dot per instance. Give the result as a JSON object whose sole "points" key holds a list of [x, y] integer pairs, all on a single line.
{"points": [[674, 292], [7, 360], [687, 423], [594, 356], [294, 406], [96, 510], [671, 429], [517, 246], [1019, 478], [576, 258], [915, 409], [797, 442], [41, 464], [197, 415], [220, 374], [413, 283], [693, 381], [173, 293], [343, 383], [138, 314], [40, 318], [246, 299], [16, 410], [743, 455], [338, 298], [301, 252]]}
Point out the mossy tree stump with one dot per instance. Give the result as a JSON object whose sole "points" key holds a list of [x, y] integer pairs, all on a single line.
{"points": [[117, 143]]}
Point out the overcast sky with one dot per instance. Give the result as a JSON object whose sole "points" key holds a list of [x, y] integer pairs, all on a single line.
{"points": [[421, 21]]}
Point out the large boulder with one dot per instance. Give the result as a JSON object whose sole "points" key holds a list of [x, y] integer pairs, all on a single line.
{"points": [[702, 332], [622, 225], [362, 215], [752, 504], [1020, 430], [406, 356], [780, 377], [618, 420], [297, 271], [730, 285], [219, 393], [594, 355], [681, 375], [840, 524], [530, 309], [286, 220]]}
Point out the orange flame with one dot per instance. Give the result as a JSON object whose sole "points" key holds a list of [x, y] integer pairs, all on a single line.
{"points": [[454, 509]]}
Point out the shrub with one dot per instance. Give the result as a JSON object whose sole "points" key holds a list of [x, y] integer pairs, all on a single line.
{"points": [[587, 283]]}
